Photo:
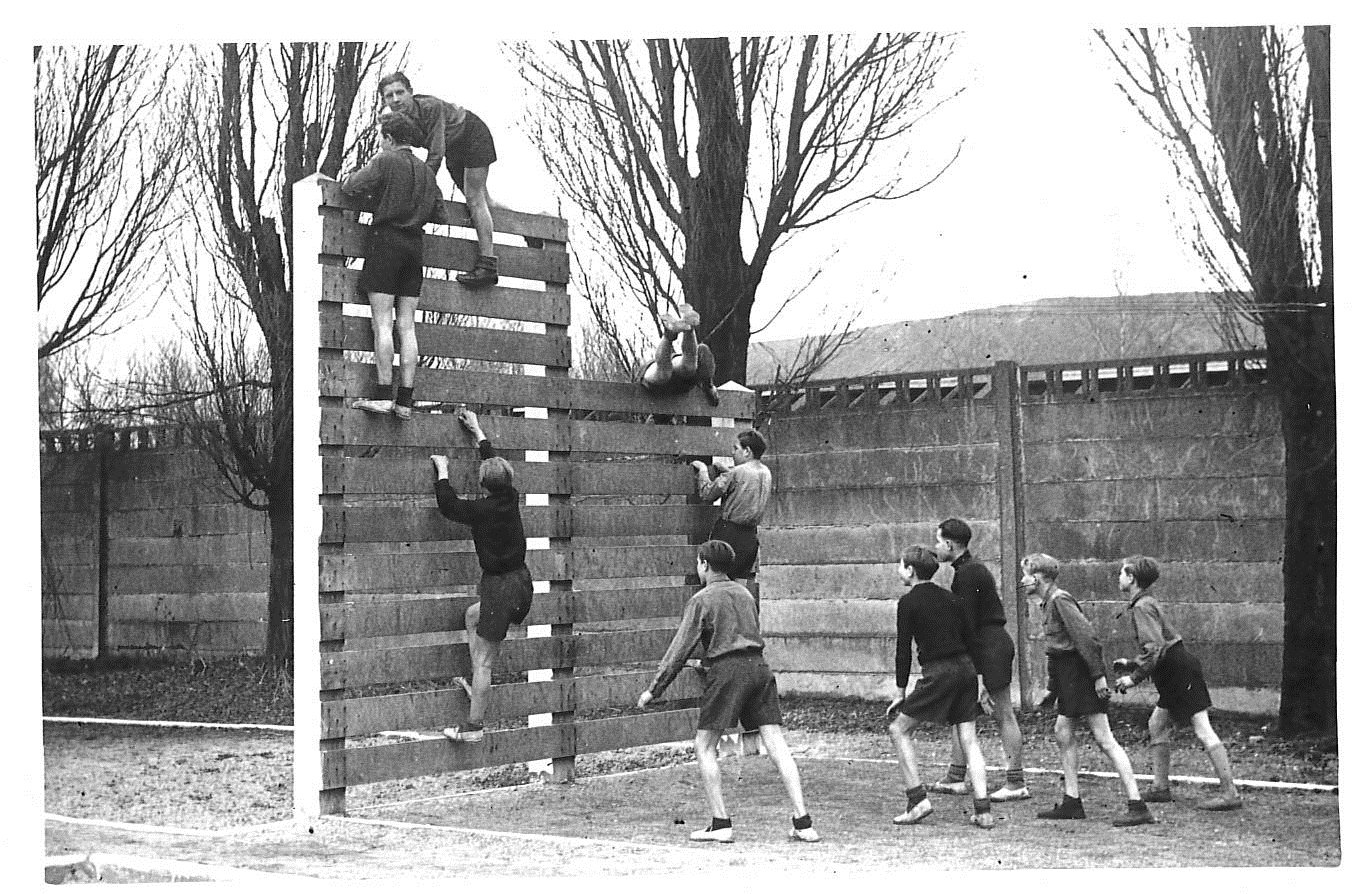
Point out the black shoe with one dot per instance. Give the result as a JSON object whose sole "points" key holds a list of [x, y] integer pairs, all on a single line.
{"points": [[1068, 809], [1157, 796], [1137, 815], [486, 273]]}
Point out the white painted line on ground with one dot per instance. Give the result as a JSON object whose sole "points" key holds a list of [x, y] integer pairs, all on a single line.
{"points": [[526, 836], [1140, 777], [165, 830], [100, 862], [171, 724]]}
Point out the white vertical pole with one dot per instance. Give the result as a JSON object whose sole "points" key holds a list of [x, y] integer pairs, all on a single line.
{"points": [[542, 767], [308, 469]]}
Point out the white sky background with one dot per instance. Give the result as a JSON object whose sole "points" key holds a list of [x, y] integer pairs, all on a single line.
{"points": [[1058, 191]]}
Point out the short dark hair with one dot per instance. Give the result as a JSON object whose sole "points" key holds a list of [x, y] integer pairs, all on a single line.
{"points": [[401, 128], [752, 440], [922, 560], [391, 78], [1143, 569], [718, 554], [496, 474], [955, 529]]}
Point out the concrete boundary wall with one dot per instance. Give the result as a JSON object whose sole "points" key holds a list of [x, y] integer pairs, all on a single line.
{"points": [[1180, 458]]}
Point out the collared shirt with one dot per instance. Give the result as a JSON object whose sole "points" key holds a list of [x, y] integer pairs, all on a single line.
{"points": [[1066, 629], [442, 124], [719, 619], [937, 620], [1153, 632], [405, 190], [745, 490]]}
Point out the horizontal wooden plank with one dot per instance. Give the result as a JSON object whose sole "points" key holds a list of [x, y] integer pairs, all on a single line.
{"points": [[505, 220], [434, 709], [186, 521], [360, 766], [348, 379], [633, 730], [1181, 540], [185, 607], [202, 550], [466, 342], [441, 432], [1173, 413], [411, 572], [886, 466], [654, 476], [341, 285], [605, 562], [356, 669], [224, 637], [348, 238], [227, 578], [1213, 457], [406, 524], [1197, 581], [949, 425], [1139, 499], [926, 503]]}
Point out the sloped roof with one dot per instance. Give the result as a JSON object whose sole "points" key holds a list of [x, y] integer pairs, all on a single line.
{"points": [[1051, 330]]}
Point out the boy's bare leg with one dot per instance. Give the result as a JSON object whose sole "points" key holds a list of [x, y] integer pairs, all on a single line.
{"points": [[778, 749], [478, 202], [1102, 734], [483, 653], [1069, 754], [408, 340], [382, 330], [901, 733], [706, 752], [1216, 752], [969, 744]]}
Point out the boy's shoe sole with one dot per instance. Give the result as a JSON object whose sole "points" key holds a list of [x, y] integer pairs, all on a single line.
{"points": [[919, 812], [1010, 794], [466, 736], [720, 836], [478, 278], [1220, 803], [380, 407], [809, 834]]}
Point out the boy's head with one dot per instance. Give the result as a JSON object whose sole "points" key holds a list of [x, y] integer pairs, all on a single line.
{"points": [[750, 445], [400, 128], [1141, 570], [496, 474], [1038, 570], [717, 556], [921, 562], [397, 93], [952, 539]]}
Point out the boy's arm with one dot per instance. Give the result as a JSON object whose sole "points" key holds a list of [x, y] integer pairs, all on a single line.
{"points": [[712, 489], [1082, 636], [363, 181], [903, 645], [1145, 618], [437, 138], [687, 637]]}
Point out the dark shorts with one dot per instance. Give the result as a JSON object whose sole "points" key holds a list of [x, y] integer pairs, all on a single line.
{"points": [[1179, 680], [394, 262], [473, 148], [678, 383], [993, 656], [742, 539], [947, 693], [1073, 686], [504, 600], [739, 687]]}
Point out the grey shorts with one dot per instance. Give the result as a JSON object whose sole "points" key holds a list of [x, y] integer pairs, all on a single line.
{"points": [[505, 599], [739, 687]]}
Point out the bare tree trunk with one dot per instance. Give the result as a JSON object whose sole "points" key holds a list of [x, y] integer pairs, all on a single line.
{"points": [[715, 276]]}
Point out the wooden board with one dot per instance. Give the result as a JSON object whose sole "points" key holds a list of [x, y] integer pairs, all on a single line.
{"points": [[466, 342], [505, 302], [505, 220], [348, 238], [387, 475]]}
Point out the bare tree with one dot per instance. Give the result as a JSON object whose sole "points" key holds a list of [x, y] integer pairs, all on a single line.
{"points": [[268, 115], [694, 159], [109, 159], [1246, 115]]}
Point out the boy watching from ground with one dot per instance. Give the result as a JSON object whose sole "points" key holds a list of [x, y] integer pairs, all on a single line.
{"points": [[992, 651], [721, 621], [1074, 665], [947, 691], [745, 492], [392, 275], [1178, 677], [505, 587], [458, 136]]}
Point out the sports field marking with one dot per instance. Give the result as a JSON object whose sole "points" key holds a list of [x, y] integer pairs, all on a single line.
{"points": [[165, 830], [171, 724], [525, 836]]}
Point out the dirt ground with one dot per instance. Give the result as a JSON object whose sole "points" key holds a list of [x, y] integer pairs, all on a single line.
{"points": [[234, 788]]}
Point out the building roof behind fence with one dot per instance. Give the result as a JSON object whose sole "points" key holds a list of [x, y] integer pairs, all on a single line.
{"points": [[1051, 330]]}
